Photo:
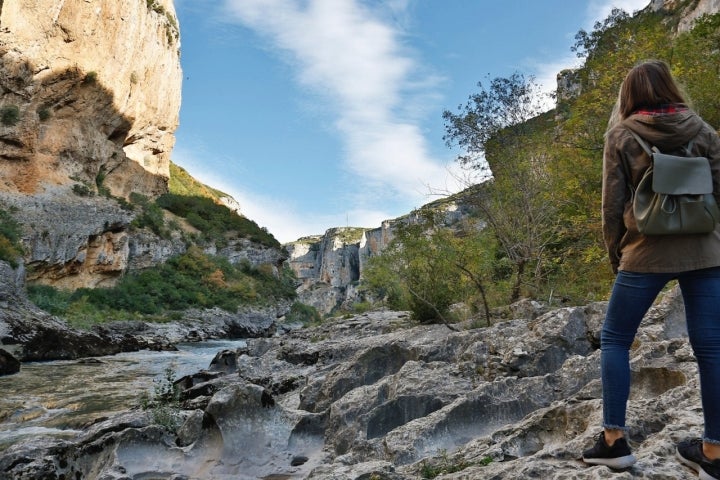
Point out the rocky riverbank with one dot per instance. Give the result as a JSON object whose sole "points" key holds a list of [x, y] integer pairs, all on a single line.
{"points": [[28, 333], [375, 396]]}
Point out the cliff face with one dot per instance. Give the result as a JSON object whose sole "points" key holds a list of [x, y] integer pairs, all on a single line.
{"points": [[330, 266], [89, 102], [689, 11], [327, 267], [95, 91]]}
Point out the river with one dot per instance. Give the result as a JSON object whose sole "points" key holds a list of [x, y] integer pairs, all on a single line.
{"points": [[61, 397]]}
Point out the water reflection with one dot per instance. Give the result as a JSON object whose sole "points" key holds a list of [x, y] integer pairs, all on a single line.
{"points": [[59, 398]]}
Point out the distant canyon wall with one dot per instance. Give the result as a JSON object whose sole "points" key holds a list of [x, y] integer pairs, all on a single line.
{"points": [[330, 266]]}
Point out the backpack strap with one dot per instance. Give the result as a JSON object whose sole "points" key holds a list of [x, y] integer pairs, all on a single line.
{"points": [[643, 144], [626, 168], [688, 148]]}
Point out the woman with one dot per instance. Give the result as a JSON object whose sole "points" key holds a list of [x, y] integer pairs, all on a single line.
{"points": [[651, 104]]}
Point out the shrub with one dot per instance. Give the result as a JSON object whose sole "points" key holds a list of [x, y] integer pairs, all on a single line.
{"points": [[9, 115], [90, 78], [43, 113], [164, 402], [82, 190], [10, 248], [100, 183], [302, 313], [8, 252], [50, 299], [215, 220], [444, 465], [151, 216], [362, 307]]}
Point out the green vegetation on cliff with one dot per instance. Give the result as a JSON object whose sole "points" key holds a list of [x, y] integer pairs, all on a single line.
{"points": [[214, 220], [182, 183], [10, 248], [190, 280], [540, 209]]}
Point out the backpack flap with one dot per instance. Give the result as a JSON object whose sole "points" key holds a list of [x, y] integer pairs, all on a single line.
{"points": [[675, 175]]}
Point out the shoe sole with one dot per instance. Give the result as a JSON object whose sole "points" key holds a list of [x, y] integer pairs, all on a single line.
{"points": [[617, 463], [705, 476], [688, 463]]}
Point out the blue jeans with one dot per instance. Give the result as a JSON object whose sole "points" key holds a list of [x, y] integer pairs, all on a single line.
{"points": [[632, 295]]}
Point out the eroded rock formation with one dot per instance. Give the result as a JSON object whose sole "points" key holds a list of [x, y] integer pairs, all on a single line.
{"points": [[89, 103], [374, 396], [329, 266], [96, 91]]}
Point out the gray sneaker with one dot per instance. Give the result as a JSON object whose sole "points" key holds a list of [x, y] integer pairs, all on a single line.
{"points": [[618, 456], [690, 453]]}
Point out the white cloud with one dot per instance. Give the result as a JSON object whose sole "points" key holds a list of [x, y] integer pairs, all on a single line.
{"points": [[346, 53], [286, 220], [599, 10]]}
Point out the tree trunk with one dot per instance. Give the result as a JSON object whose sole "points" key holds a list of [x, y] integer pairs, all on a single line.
{"points": [[515, 293]]}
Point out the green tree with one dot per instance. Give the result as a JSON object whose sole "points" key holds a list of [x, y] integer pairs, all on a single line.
{"points": [[428, 267], [696, 63], [497, 129], [416, 271]]}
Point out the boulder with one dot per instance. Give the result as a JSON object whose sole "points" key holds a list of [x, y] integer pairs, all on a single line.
{"points": [[8, 363]]}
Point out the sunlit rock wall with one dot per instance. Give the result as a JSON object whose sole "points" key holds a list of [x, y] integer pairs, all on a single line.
{"points": [[95, 91], [89, 103]]}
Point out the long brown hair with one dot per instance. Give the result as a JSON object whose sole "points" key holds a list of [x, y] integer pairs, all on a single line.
{"points": [[648, 84]]}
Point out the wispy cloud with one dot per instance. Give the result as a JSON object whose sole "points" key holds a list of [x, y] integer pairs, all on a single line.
{"points": [[281, 217], [354, 58]]}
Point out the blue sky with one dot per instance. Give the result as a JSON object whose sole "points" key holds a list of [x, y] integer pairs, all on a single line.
{"points": [[315, 114]]}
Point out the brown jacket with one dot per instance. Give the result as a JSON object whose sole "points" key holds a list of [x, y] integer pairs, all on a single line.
{"points": [[628, 249]]}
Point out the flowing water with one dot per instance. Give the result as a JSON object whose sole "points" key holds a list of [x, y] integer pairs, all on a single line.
{"points": [[59, 398]]}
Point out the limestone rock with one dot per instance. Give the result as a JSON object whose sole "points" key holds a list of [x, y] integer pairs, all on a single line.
{"points": [[375, 396], [95, 90], [329, 266], [97, 87], [325, 265], [690, 13]]}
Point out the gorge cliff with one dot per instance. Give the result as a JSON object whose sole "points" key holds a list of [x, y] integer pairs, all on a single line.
{"points": [[329, 266], [95, 87], [90, 95]]}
